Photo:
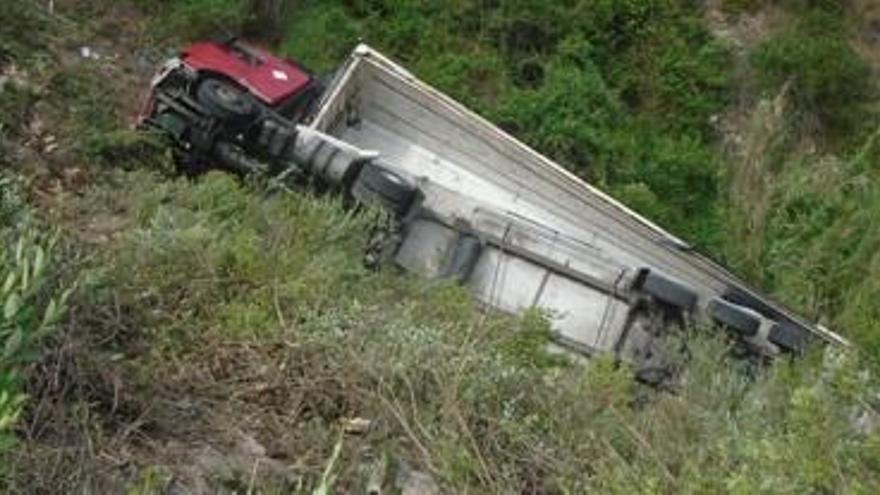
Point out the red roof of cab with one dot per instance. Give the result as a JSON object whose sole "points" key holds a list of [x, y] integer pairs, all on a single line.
{"points": [[271, 79]]}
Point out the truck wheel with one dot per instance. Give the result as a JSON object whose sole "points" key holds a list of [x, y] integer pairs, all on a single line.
{"points": [[789, 337], [665, 289], [376, 185], [225, 101], [734, 317]]}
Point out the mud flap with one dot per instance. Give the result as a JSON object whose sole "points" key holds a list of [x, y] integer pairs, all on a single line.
{"points": [[464, 257]]}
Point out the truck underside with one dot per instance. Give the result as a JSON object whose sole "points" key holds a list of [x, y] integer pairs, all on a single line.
{"points": [[475, 205]]}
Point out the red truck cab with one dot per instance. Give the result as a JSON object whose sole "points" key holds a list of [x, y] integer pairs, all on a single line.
{"points": [[274, 81], [231, 103], [244, 71]]}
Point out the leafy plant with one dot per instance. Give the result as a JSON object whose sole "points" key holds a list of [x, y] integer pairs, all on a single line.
{"points": [[28, 309], [24, 28], [826, 76], [15, 107]]}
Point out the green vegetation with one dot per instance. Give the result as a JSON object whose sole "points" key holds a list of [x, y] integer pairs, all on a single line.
{"points": [[15, 106], [259, 307], [620, 92], [213, 314], [30, 301], [822, 239], [825, 77], [23, 30]]}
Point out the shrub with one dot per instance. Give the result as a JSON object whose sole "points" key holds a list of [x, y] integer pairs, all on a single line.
{"points": [[78, 105], [263, 302], [822, 241], [15, 108], [196, 19], [321, 36], [569, 117], [30, 305], [827, 77], [24, 28], [129, 149]]}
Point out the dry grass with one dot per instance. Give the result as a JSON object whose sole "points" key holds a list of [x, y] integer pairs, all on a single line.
{"points": [[752, 182]]}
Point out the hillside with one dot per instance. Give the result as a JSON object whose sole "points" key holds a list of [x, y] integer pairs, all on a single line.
{"points": [[163, 334]]}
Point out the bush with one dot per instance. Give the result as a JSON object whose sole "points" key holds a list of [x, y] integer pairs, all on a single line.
{"points": [[24, 28], [822, 241], [198, 19], [15, 108], [79, 105], [129, 149], [827, 77]]}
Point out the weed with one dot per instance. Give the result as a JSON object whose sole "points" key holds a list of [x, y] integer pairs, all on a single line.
{"points": [[15, 109], [24, 29], [31, 304], [258, 305]]}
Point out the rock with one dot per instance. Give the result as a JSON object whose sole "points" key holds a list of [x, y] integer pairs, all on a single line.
{"points": [[356, 426], [88, 52], [50, 144], [250, 446], [865, 422], [412, 482]]}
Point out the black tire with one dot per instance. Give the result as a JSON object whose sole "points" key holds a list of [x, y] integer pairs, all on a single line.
{"points": [[225, 101], [734, 317], [789, 337], [376, 185], [665, 290], [787, 333]]}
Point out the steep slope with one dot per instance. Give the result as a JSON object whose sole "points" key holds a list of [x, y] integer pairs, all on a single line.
{"points": [[226, 337]]}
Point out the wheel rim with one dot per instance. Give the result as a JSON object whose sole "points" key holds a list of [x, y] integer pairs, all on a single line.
{"points": [[227, 94], [228, 97]]}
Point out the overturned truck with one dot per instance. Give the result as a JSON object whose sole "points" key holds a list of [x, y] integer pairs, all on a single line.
{"points": [[471, 202]]}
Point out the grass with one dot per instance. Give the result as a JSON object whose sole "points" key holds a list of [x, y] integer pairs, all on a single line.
{"points": [[826, 78], [224, 333], [32, 303], [258, 312]]}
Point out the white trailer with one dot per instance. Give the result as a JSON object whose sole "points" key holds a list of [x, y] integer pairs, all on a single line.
{"points": [[521, 231]]}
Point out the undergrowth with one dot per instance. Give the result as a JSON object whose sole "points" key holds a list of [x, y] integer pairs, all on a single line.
{"points": [[221, 320], [828, 81], [259, 307], [31, 303]]}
